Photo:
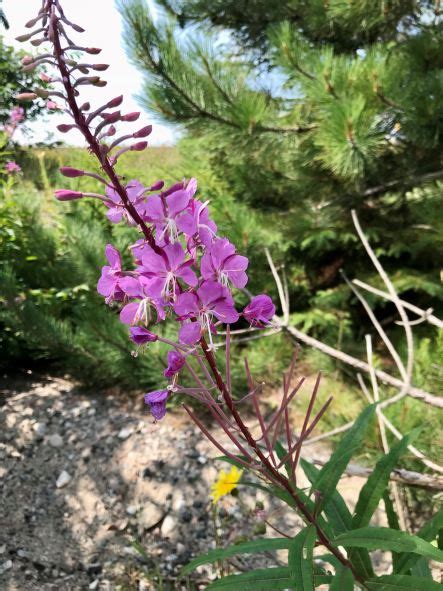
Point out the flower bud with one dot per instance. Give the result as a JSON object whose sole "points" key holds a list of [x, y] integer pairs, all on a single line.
{"points": [[27, 59], [32, 22], [111, 131], [139, 146], [85, 107], [111, 117], [115, 102], [52, 106], [22, 38], [131, 116], [100, 83], [71, 172], [45, 78], [64, 128], [99, 67], [93, 50], [37, 42], [41, 92], [26, 96], [29, 67], [67, 195], [157, 186], [144, 132], [77, 28]]}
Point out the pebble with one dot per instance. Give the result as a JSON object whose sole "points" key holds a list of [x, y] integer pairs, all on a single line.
{"points": [[2, 548], [5, 566], [131, 510], [149, 516], [40, 429], [124, 433], [55, 440], [94, 584], [169, 525], [63, 479]]}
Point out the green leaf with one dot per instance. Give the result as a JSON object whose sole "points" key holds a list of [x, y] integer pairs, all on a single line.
{"points": [[252, 547], [281, 453], [402, 583], [343, 580], [267, 579], [231, 461], [421, 569], [330, 474], [383, 538], [393, 524], [376, 484], [428, 532], [340, 520], [301, 567]]}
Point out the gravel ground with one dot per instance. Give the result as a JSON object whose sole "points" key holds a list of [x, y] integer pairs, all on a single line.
{"points": [[82, 476]]}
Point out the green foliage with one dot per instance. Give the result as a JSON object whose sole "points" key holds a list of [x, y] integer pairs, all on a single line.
{"points": [[329, 523], [49, 308], [304, 111]]}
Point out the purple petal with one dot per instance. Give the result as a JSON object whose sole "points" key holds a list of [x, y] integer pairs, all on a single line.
{"points": [[141, 336], [225, 312], [186, 304], [113, 257], [131, 286], [154, 209], [260, 310], [188, 275], [177, 202], [187, 223], [190, 333], [157, 403], [175, 363], [115, 214], [175, 254], [106, 283], [128, 313], [209, 291], [152, 261], [134, 189], [191, 187]]}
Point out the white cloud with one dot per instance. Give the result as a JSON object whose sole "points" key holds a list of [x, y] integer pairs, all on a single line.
{"points": [[103, 27]]}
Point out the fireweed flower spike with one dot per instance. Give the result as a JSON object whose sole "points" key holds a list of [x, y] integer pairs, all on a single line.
{"points": [[176, 233]]}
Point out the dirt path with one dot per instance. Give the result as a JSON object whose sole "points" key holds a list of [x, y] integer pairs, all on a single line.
{"points": [[82, 476]]}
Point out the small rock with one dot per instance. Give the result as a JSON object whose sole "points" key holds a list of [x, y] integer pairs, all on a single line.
{"points": [[169, 525], [180, 548], [55, 440], [94, 584], [2, 548], [150, 515], [63, 479], [124, 433], [131, 510], [5, 566], [40, 429], [22, 553]]}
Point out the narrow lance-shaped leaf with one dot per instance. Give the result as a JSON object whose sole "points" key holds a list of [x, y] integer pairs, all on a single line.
{"points": [[269, 579], [330, 474], [383, 538], [428, 532], [300, 559], [393, 524], [343, 580], [340, 520], [252, 547], [402, 583], [376, 484]]}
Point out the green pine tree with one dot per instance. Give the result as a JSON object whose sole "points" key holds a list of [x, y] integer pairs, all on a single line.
{"points": [[305, 110]]}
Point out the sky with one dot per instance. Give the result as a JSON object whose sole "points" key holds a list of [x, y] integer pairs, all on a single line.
{"points": [[103, 27]]}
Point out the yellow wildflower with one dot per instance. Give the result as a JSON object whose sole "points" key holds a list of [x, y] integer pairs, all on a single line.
{"points": [[226, 482]]}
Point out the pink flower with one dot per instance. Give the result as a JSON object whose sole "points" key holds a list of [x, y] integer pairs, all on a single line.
{"points": [[141, 336], [220, 263], [164, 271], [17, 114], [108, 284], [212, 300], [175, 363], [12, 167], [163, 210], [117, 210], [196, 223], [157, 403], [259, 311]]}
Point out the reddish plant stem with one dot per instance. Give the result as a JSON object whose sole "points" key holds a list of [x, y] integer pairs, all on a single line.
{"points": [[275, 474], [82, 125]]}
